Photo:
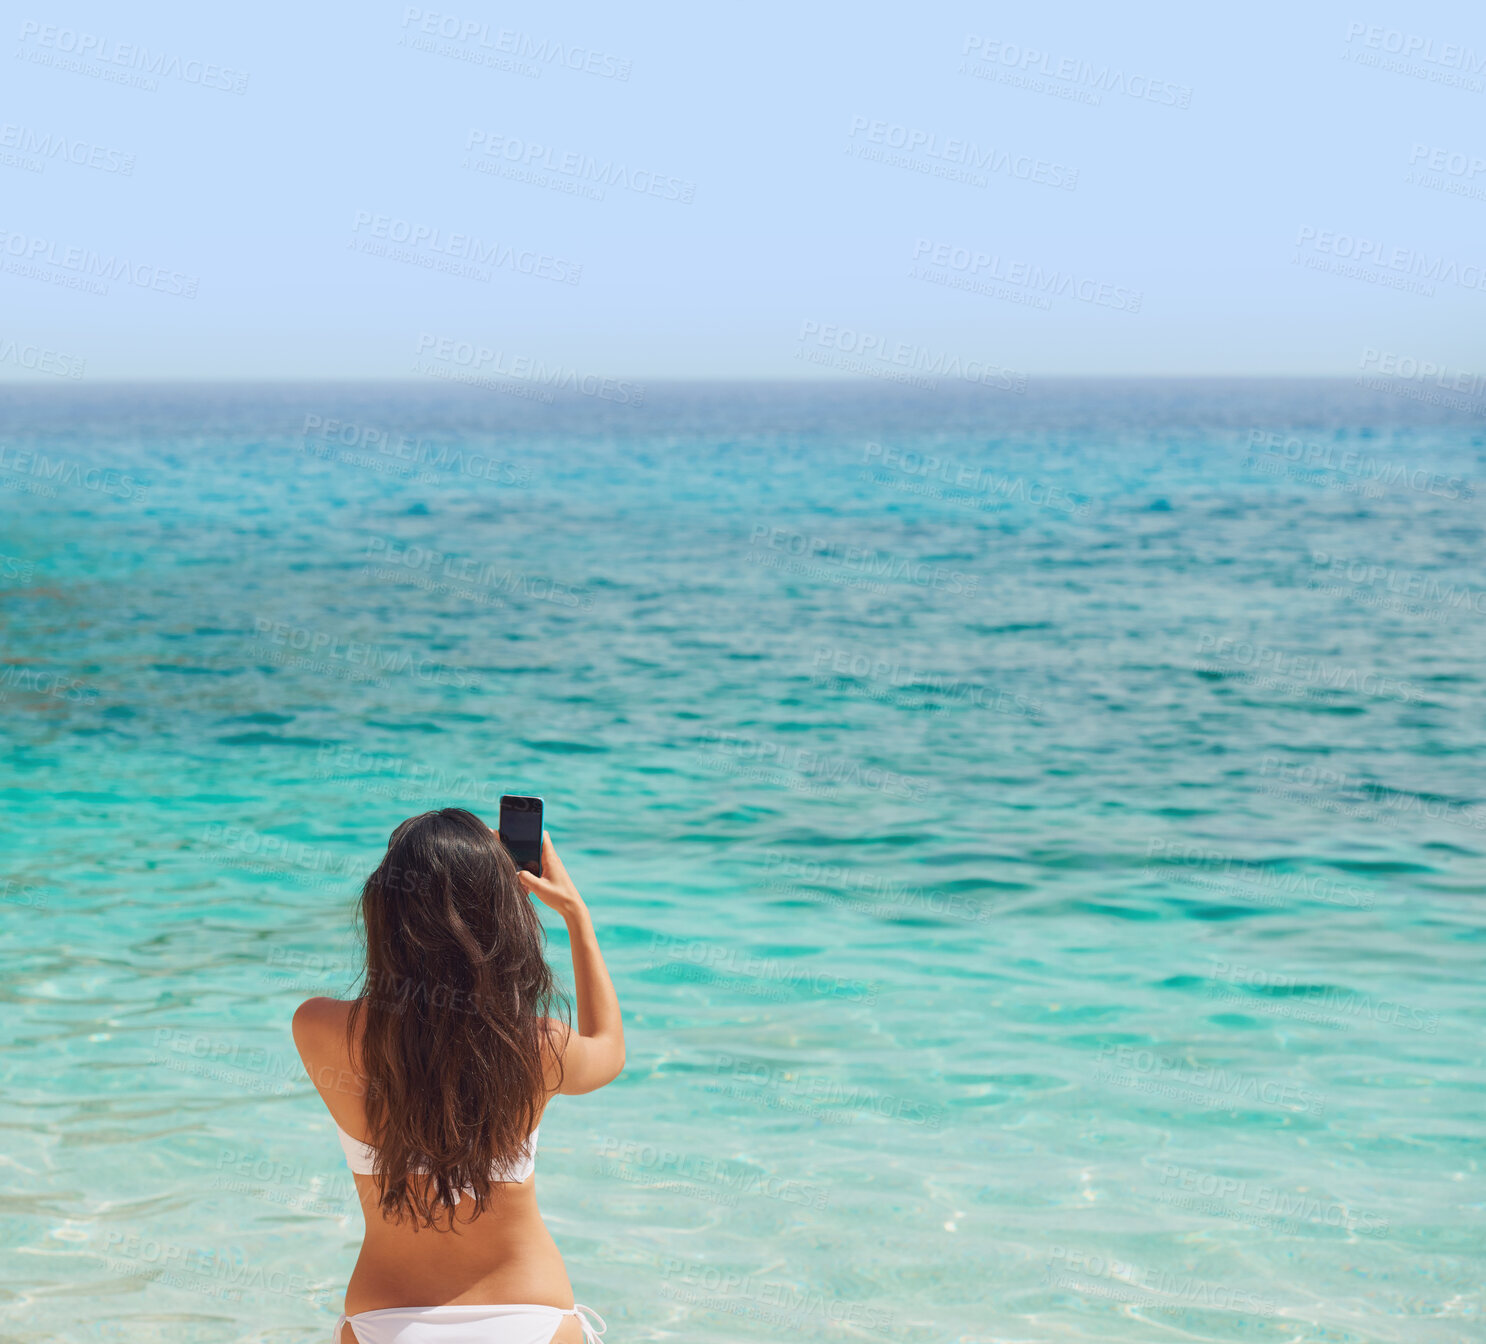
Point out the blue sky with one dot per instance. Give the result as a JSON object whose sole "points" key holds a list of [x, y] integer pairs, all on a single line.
{"points": [[691, 191]]}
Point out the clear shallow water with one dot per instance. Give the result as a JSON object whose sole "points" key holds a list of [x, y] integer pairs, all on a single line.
{"points": [[1044, 886]]}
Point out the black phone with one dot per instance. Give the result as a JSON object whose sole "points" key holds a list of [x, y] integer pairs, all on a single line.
{"points": [[521, 831]]}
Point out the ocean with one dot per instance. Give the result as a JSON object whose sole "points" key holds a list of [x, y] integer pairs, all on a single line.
{"points": [[1036, 837]]}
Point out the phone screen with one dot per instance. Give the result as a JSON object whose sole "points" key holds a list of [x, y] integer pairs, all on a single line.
{"points": [[521, 831]]}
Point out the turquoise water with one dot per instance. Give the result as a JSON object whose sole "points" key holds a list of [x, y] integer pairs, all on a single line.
{"points": [[1037, 841]]}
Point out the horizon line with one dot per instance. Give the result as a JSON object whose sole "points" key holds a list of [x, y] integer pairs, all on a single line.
{"points": [[686, 380]]}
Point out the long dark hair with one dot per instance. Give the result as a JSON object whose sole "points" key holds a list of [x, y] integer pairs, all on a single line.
{"points": [[453, 1011]]}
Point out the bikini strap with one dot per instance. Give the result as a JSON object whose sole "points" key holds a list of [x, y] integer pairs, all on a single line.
{"points": [[335, 1336], [590, 1335]]}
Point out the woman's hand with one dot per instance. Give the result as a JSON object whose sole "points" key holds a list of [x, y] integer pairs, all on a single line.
{"points": [[554, 888]]}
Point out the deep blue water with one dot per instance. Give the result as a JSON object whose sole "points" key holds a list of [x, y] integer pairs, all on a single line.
{"points": [[1037, 840]]}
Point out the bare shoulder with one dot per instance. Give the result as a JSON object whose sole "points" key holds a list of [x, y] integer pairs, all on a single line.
{"points": [[319, 1026], [320, 1036]]}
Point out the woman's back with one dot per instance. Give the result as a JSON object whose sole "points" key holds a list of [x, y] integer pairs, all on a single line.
{"points": [[503, 1254], [468, 1086]]}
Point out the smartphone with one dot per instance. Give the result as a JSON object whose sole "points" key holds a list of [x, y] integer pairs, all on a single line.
{"points": [[521, 831]]}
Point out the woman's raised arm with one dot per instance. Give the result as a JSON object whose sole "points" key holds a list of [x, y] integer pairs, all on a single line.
{"points": [[594, 1054]]}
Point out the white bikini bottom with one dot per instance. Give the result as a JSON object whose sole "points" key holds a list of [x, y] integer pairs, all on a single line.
{"points": [[475, 1323]]}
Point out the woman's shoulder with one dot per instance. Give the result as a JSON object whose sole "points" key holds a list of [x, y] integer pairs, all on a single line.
{"points": [[320, 1024], [324, 1047]]}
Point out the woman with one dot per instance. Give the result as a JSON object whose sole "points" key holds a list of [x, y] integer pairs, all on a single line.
{"points": [[437, 1077]]}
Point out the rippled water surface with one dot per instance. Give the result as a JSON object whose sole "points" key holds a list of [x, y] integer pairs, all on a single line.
{"points": [[1037, 842]]}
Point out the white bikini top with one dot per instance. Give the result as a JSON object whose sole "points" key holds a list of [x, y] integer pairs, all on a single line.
{"points": [[361, 1158]]}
